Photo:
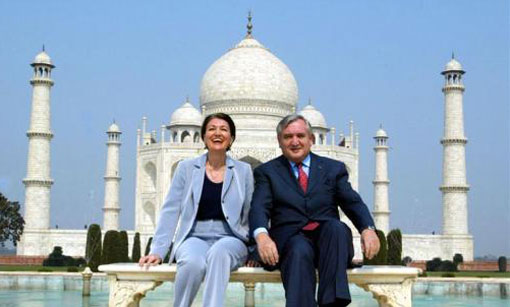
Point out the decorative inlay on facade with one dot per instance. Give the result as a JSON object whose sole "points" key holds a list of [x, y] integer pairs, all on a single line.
{"points": [[38, 182], [453, 87], [453, 141], [42, 81], [454, 188], [48, 135]]}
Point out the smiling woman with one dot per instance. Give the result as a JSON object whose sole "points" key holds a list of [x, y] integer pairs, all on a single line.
{"points": [[207, 220]]}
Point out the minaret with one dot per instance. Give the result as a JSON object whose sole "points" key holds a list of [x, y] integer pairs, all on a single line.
{"points": [[381, 201], [38, 181], [454, 187], [112, 180]]}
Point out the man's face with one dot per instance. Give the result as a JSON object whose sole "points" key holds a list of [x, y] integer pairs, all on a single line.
{"points": [[295, 141]]}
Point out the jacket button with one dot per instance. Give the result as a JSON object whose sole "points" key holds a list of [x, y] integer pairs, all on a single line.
{"points": [[226, 217]]}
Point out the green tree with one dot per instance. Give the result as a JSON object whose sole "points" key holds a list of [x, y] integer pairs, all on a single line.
{"points": [[395, 247], [110, 247], [123, 246], [382, 256], [93, 248], [458, 259], [135, 253], [502, 264], [11, 221], [148, 246]]}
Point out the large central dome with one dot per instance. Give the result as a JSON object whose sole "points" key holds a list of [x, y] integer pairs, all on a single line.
{"points": [[249, 76]]}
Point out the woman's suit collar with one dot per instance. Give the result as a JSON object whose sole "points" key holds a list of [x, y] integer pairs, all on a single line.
{"points": [[199, 173]]}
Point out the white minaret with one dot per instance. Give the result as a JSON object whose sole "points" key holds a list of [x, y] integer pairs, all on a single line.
{"points": [[381, 183], [38, 181], [112, 180], [454, 187]]}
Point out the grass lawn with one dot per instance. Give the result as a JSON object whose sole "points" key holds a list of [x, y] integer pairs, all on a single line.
{"points": [[34, 268], [482, 274]]}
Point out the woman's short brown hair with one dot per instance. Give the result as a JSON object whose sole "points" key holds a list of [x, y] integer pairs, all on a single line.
{"points": [[224, 117]]}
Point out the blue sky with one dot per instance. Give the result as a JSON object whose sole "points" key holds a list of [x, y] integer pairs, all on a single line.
{"points": [[375, 62]]}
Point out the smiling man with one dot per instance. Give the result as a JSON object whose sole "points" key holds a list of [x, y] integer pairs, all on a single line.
{"points": [[298, 195]]}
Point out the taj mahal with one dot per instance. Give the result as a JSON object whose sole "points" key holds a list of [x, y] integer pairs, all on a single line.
{"points": [[257, 89]]}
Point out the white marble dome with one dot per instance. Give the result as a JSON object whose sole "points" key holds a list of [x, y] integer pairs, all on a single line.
{"points": [[43, 58], [186, 115], [114, 128], [453, 64], [249, 71], [381, 133], [313, 115]]}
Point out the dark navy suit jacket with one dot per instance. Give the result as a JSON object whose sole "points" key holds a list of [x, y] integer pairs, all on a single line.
{"points": [[280, 205]]}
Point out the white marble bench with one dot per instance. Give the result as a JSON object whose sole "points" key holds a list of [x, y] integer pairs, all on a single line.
{"points": [[390, 285]]}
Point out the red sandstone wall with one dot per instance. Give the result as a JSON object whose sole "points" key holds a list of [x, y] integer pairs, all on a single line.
{"points": [[468, 266], [21, 260]]}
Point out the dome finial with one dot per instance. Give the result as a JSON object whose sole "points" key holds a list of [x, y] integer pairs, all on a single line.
{"points": [[249, 26], [453, 55], [187, 98], [43, 47], [309, 101]]}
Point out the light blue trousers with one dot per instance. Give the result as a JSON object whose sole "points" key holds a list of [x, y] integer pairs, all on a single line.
{"points": [[210, 253]]}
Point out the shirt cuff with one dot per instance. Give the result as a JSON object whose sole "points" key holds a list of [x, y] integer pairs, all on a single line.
{"points": [[258, 231]]}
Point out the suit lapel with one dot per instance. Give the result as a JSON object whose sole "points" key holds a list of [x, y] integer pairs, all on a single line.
{"points": [[198, 179], [283, 169], [227, 180], [316, 172]]}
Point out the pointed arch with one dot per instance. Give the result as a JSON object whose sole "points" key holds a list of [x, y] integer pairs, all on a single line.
{"points": [[251, 160], [149, 211], [150, 177]]}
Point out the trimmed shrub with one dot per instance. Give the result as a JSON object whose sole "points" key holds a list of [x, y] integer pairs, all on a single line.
{"points": [[135, 253], [44, 270], [447, 266], [458, 259], [72, 269], [502, 264], [433, 264], [148, 246], [448, 274], [57, 258], [110, 247], [395, 247], [382, 257], [93, 248], [407, 260], [123, 247]]}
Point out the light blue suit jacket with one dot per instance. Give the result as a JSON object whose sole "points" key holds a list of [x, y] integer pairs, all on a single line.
{"points": [[180, 207]]}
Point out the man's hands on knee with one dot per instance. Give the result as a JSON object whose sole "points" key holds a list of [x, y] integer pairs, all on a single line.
{"points": [[149, 260], [369, 243], [267, 249]]}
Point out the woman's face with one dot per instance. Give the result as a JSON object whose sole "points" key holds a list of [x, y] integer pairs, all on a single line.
{"points": [[217, 135]]}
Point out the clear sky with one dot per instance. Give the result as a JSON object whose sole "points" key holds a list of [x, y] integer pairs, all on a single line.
{"points": [[375, 62]]}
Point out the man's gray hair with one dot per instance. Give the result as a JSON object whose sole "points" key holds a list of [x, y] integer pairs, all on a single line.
{"points": [[289, 119]]}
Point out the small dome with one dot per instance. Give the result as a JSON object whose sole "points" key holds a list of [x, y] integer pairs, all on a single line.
{"points": [[315, 117], [114, 128], [381, 133], [186, 115], [43, 58], [453, 65]]}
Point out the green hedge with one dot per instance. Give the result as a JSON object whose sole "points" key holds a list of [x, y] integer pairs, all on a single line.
{"points": [[135, 253], [395, 247], [93, 247], [123, 247], [111, 250]]}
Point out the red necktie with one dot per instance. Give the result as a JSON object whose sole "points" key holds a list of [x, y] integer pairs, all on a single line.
{"points": [[303, 182], [302, 177]]}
